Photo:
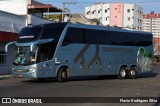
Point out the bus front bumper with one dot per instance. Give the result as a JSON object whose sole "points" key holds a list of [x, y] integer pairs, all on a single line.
{"points": [[24, 75]]}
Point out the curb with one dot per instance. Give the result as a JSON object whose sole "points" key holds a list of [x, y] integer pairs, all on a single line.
{"points": [[5, 76]]}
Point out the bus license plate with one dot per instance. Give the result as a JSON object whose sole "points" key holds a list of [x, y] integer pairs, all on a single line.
{"points": [[20, 75]]}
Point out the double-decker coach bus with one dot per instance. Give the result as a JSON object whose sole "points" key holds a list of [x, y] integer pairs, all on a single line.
{"points": [[63, 50]]}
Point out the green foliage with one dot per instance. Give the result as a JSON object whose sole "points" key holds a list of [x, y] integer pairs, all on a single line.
{"points": [[53, 17]]}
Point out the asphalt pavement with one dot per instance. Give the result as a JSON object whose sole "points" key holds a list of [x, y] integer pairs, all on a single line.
{"points": [[147, 85]]}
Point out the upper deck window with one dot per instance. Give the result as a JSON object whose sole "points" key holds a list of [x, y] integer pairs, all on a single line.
{"points": [[46, 31], [29, 34]]}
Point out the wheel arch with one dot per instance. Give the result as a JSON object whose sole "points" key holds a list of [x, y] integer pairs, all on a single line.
{"points": [[65, 66], [122, 65], [133, 66]]}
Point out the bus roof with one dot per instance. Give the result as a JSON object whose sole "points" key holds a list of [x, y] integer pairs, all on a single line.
{"points": [[68, 24], [105, 28]]}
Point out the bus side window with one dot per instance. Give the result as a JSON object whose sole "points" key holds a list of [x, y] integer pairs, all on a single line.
{"points": [[73, 35], [43, 55]]}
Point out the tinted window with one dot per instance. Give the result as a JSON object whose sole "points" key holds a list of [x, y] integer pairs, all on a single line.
{"points": [[29, 34], [90, 36], [45, 31], [117, 38], [93, 36], [74, 35], [129, 39], [52, 32]]}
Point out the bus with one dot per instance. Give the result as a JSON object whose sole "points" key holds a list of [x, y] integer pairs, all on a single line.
{"points": [[64, 50]]}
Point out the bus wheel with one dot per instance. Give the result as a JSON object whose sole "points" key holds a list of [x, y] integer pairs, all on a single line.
{"points": [[122, 73], [62, 74], [132, 73]]}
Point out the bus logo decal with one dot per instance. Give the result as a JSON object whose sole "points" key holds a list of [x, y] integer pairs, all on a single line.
{"points": [[96, 57], [144, 59]]}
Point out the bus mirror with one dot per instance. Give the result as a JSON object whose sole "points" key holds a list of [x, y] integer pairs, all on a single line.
{"points": [[6, 47]]}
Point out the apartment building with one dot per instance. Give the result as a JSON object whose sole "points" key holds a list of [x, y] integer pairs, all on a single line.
{"points": [[124, 15], [151, 23]]}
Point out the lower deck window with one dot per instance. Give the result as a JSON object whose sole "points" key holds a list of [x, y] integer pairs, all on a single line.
{"points": [[3, 58]]}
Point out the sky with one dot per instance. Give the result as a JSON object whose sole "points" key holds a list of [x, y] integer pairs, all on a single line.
{"points": [[79, 7]]}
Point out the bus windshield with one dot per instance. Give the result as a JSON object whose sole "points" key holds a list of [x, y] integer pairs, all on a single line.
{"points": [[29, 34], [24, 56]]}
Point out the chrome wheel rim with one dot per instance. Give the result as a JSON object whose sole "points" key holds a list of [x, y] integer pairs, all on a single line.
{"points": [[64, 75], [133, 72], [123, 73]]}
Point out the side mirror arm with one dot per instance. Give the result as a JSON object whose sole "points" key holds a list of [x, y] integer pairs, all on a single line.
{"points": [[8, 44]]}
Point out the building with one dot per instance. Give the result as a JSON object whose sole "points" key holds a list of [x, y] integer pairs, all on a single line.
{"points": [[10, 25], [25, 7], [31, 9], [116, 14], [156, 45], [79, 18], [14, 15], [151, 23]]}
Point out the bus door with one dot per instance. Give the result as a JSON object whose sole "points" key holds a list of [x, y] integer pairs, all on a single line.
{"points": [[43, 57]]}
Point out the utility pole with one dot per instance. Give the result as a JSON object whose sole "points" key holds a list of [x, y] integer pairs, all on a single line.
{"points": [[151, 16], [63, 7], [151, 25]]}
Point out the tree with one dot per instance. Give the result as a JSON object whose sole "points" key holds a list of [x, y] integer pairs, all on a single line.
{"points": [[55, 17]]}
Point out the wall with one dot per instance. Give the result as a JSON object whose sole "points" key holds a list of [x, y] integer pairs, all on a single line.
{"points": [[7, 69], [106, 14], [128, 15], [18, 7], [116, 18], [138, 17], [102, 13], [156, 45]]}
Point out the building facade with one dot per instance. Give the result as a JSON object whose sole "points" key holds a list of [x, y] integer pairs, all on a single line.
{"points": [[156, 45], [6, 59], [151, 23], [31, 9], [10, 25], [25, 7], [116, 14]]}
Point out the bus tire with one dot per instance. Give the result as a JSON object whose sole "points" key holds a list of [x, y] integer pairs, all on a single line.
{"points": [[132, 73], [62, 75], [122, 73]]}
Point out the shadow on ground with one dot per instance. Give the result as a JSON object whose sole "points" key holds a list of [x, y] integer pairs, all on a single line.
{"points": [[51, 80]]}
